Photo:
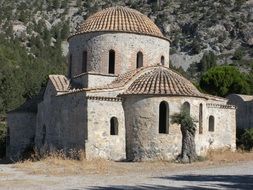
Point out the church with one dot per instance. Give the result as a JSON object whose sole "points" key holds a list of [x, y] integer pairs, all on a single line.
{"points": [[119, 95]]}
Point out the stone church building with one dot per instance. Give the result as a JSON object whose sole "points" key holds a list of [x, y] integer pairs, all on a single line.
{"points": [[118, 97]]}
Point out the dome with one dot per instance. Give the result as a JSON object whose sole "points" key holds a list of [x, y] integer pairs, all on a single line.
{"points": [[162, 81], [120, 19]]}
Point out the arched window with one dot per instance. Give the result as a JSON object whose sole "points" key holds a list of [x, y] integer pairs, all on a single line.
{"points": [[200, 118], [114, 126], [84, 65], [111, 62], [70, 65], [211, 123], [187, 107], [162, 60], [44, 132], [139, 60], [164, 117]]}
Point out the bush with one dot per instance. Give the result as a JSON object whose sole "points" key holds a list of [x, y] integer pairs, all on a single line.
{"points": [[2, 139], [208, 61], [246, 139], [238, 55], [224, 80]]}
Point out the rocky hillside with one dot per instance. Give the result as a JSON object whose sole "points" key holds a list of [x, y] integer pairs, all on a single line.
{"points": [[194, 27], [36, 31]]}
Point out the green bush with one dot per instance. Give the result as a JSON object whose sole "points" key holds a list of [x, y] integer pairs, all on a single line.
{"points": [[224, 80], [2, 139], [247, 139], [208, 61], [244, 139]]}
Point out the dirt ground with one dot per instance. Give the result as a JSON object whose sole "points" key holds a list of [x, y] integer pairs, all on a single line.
{"points": [[222, 170]]}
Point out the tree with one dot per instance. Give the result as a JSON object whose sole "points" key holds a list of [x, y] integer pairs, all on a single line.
{"points": [[224, 80], [208, 61], [56, 4], [188, 130]]}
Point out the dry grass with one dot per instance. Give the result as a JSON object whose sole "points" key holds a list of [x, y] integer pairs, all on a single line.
{"points": [[223, 155], [62, 167], [59, 165]]}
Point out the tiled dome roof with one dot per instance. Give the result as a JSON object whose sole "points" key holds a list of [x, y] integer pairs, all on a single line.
{"points": [[120, 19], [162, 81]]}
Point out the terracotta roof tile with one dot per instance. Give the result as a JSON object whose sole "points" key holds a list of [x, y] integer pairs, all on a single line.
{"points": [[162, 81], [119, 19], [60, 82]]}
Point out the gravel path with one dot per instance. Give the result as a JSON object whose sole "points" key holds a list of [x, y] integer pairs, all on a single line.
{"points": [[232, 176]]}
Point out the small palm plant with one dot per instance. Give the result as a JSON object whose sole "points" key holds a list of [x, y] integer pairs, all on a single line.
{"points": [[188, 130]]}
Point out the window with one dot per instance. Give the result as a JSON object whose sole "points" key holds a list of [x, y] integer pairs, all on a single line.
{"points": [[44, 135], [211, 123], [200, 118], [111, 62], [114, 126], [163, 117], [84, 65], [162, 60], [187, 107], [70, 65], [139, 60]]}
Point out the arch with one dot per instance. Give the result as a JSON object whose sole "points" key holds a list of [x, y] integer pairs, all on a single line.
{"points": [[44, 132], [70, 66], [84, 63], [162, 60], [211, 123], [187, 107], [200, 118], [164, 117], [114, 124], [139, 59], [111, 62]]}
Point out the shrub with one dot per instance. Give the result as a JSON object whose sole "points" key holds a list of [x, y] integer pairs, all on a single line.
{"points": [[247, 139], [224, 80], [208, 61], [238, 55], [2, 139], [244, 139]]}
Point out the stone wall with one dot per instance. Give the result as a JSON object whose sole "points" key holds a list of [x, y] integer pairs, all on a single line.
{"points": [[125, 45], [224, 134], [64, 118], [22, 132], [144, 142], [244, 112], [100, 144], [91, 80]]}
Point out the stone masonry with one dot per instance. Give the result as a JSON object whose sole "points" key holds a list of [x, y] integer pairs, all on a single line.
{"points": [[118, 98]]}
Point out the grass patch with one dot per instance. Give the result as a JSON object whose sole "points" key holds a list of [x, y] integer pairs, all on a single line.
{"points": [[224, 155], [58, 164]]}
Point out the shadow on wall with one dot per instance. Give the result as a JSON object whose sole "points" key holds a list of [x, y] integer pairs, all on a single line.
{"points": [[199, 182]]}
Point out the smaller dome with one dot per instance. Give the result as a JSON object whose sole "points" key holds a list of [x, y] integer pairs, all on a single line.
{"points": [[162, 81]]}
